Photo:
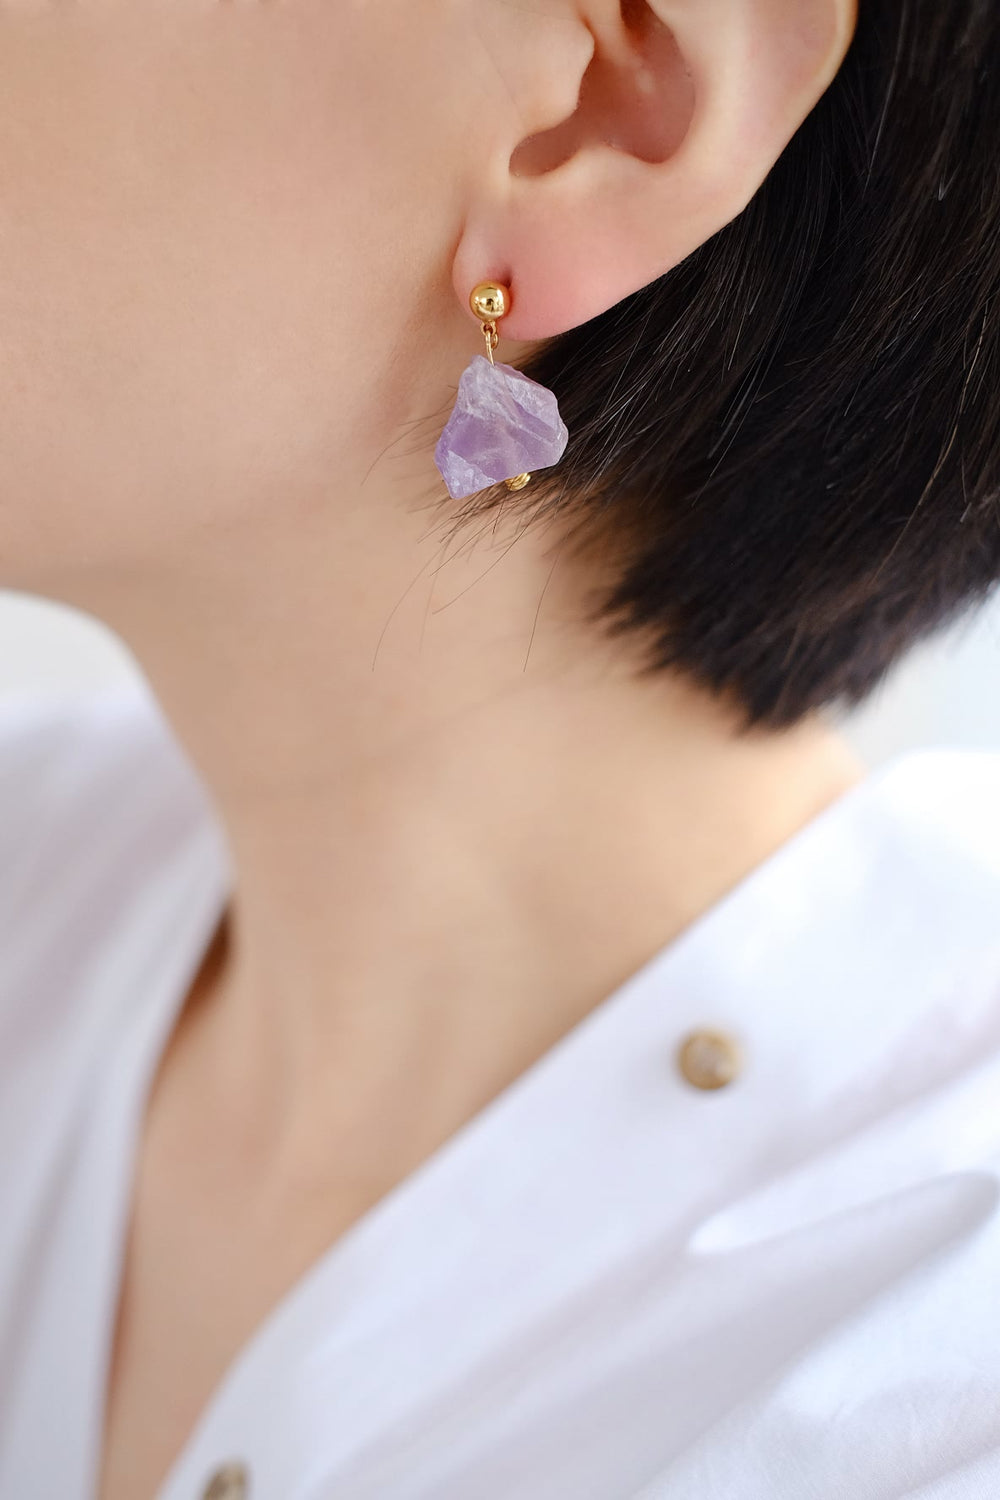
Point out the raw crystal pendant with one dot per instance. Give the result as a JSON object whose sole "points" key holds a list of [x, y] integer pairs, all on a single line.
{"points": [[503, 426]]}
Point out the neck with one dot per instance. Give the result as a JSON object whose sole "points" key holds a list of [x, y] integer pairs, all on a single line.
{"points": [[458, 818]]}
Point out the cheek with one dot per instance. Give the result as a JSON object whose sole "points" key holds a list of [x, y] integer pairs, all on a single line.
{"points": [[201, 211]]}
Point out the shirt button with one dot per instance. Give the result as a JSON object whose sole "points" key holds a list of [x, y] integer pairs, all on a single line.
{"points": [[231, 1482], [709, 1059]]}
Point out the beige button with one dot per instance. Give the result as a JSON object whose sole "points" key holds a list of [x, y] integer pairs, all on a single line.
{"points": [[709, 1059], [231, 1482]]}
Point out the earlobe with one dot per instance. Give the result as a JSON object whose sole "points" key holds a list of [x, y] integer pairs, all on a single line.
{"points": [[681, 111]]}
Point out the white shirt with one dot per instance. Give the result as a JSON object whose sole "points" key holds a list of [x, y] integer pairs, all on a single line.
{"points": [[609, 1284]]}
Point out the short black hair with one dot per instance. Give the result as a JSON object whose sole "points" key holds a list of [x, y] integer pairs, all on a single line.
{"points": [[787, 449]]}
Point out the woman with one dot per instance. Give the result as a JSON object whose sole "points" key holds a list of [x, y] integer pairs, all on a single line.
{"points": [[474, 1029]]}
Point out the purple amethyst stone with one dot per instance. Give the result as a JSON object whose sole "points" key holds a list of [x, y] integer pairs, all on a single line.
{"points": [[503, 424]]}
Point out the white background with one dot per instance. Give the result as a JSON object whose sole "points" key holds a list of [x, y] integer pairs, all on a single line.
{"points": [[946, 692]]}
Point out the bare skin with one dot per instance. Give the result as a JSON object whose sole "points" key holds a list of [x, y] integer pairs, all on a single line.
{"points": [[236, 247]]}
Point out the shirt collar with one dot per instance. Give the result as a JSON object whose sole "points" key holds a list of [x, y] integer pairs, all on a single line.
{"points": [[835, 963]]}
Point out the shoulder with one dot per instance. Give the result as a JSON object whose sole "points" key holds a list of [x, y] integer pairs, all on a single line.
{"points": [[86, 780], [937, 815], [950, 789], [102, 817], [51, 741], [112, 867]]}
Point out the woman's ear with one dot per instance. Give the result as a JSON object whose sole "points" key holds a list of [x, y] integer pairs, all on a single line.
{"points": [[634, 131]]}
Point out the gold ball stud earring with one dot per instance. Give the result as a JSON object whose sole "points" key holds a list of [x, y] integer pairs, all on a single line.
{"points": [[489, 300]]}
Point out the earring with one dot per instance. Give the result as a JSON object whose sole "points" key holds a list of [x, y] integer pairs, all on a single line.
{"points": [[504, 425]]}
